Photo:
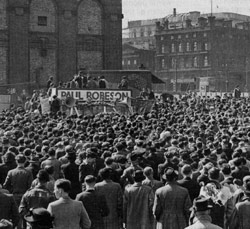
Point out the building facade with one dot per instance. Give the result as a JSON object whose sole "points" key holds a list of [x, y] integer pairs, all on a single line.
{"points": [[190, 46], [137, 57], [42, 38]]}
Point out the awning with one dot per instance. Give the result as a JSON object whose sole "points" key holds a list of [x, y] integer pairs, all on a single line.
{"points": [[156, 80]]}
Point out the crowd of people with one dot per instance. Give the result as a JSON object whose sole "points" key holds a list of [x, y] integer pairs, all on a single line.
{"points": [[184, 164]]}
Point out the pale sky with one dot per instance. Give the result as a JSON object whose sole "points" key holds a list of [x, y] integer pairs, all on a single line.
{"points": [[150, 9]]}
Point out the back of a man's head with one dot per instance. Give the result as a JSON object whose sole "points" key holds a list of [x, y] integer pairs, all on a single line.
{"points": [[63, 184]]}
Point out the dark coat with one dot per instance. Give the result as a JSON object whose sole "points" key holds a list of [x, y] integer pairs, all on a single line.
{"points": [[171, 206], [240, 218], [192, 187], [71, 173], [96, 207], [8, 208], [137, 205], [113, 194]]}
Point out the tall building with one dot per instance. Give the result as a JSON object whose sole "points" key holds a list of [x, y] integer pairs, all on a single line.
{"points": [[193, 46], [42, 38]]}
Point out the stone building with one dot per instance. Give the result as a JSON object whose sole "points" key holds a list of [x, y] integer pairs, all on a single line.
{"points": [[191, 45], [42, 38]]}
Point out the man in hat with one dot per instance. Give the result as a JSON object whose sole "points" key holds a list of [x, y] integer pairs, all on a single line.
{"points": [[39, 218], [172, 203], [113, 194], [241, 215], [201, 209], [137, 204], [71, 173]]}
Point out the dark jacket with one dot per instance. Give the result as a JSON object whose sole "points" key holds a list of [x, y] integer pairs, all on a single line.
{"points": [[96, 207], [192, 187], [8, 208]]}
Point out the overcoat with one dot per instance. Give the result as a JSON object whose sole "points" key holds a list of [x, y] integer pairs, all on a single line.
{"points": [[171, 206]]}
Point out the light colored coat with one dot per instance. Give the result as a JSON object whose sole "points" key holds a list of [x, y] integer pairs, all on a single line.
{"points": [[203, 222], [138, 203], [171, 206], [69, 213], [113, 194]]}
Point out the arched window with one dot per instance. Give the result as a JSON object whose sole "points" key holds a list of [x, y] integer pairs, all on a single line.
{"points": [[195, 62], [188, 47], [163, 63], [195, 46], [205, 61], [162, 49], [42, 16], [180, 47], [172, 47], [90, 17]]}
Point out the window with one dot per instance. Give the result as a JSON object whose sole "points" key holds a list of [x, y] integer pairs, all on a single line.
{"points": [[188, 47], [162, 49], [149, 32], [205, 34], [162, 38], [172, 37], [195, 46], [181, 65], [186, 63], [128, 62], [173, 62], [172, 48], [142, 32], [134, 33], [187, 36], [135, 62], [163, 63], [205, 61], [42, 21], [194, 34], [179, 36], [195, 62], [206, 46], [180, 47], [122, 62]]}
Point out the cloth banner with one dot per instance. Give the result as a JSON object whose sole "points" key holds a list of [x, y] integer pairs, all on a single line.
{"points": [[141, 106]]}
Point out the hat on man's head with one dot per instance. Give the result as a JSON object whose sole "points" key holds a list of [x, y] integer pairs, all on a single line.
{"points": [[39, 216], [201, 203]]}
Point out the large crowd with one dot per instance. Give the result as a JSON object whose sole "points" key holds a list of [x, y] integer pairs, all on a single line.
{"points": [[184, 164]]}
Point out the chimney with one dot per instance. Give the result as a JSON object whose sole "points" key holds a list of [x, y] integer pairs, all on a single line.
{"points": [[174, 13]]}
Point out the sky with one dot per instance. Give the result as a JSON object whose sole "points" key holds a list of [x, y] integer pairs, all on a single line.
{"points": [[150, 9]]}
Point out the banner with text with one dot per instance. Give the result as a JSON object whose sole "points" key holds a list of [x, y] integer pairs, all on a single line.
{"points": [[94, 95]]}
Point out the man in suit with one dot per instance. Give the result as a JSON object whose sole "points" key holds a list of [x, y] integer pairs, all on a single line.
{"points": [[187, 182], [18, 180], [138, 203], [8, 209], [96, 206], [67, 213], [113, 194], [172, 203]]}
